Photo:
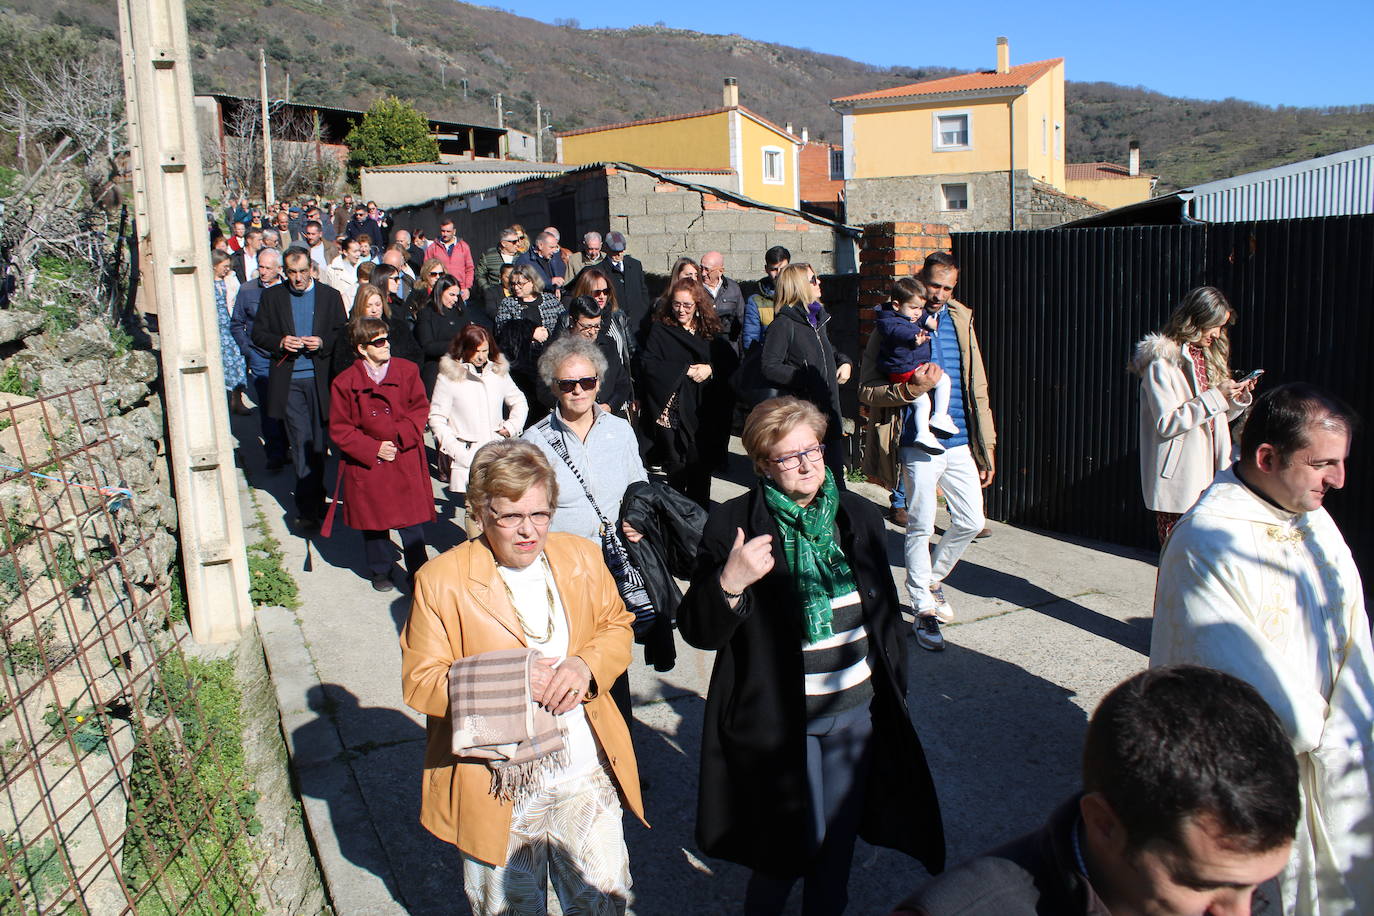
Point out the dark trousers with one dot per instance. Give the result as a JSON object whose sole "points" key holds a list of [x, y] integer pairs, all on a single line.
{"points": [[838, 755], [377, 548], [305, 431], [694, 481], [836, 454], [273, 432]]}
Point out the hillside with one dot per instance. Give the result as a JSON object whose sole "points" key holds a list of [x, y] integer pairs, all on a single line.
{"points": [[349, 52]]}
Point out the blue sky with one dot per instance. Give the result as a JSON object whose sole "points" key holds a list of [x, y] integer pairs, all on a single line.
{"points": [[1260, 51]]}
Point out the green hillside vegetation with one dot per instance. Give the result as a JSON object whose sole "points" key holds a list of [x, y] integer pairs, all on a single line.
{"points": [[350, 53]]}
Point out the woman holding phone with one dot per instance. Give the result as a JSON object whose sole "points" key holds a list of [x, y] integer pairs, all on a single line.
{"points": [[1187, 399]]}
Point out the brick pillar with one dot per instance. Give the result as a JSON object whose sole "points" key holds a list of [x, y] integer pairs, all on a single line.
{"points": [[890, 251]]}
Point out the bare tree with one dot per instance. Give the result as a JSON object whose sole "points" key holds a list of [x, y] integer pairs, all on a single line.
{"points": [[300, 162], [82, 100]]}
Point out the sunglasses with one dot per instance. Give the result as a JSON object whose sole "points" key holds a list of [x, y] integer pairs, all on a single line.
{"points": [[815, 281], [598, 293], [379, 342], [569, 385], [436, 273]]}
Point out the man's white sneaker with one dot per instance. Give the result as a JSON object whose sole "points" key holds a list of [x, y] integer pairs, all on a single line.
{"points": [[943, 609], [929, 444], [942, 425]]}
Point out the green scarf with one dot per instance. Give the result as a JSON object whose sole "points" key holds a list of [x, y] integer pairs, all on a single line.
{"points": [[818, 567]]}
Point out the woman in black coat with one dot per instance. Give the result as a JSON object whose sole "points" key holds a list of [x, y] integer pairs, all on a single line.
{"points": [[682, 353], [371, 303], [807, 740], [799, 359], [439, 323]]}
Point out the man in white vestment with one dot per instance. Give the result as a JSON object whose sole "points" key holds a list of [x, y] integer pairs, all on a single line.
{"points": [[1257, 581]]}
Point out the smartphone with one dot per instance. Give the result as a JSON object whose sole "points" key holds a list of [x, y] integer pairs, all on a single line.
{"points": [[1252, 376]]}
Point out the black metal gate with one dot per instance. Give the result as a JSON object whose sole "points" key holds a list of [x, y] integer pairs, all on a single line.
{"points": [[1058, 312]]}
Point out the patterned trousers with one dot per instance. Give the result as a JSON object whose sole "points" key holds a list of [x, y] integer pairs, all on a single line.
{"points": [[570, 833]]}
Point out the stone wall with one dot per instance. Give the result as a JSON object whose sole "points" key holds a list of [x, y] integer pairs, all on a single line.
{"points": [[1038, 205]]}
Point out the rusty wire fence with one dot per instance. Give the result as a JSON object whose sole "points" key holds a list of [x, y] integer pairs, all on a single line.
{"points": [[122, 791]]}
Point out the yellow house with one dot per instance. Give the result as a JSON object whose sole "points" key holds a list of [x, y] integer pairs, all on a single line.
{"points": [[763, 157], [1109, 184], [1008, 119]]}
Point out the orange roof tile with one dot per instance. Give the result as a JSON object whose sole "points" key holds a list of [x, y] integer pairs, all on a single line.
{"points": [[1021, 75], [1098, 171], [677, 117]]}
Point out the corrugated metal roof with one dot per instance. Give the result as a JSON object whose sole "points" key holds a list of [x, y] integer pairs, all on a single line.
{"points": [[1018, 76], [1341, 184]]}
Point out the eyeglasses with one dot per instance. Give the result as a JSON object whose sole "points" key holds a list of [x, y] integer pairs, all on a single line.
{"points": [[379, 342], [600, 293], [794, 460], [569, 385], [815, 281], [436, 273], [588, 327], [538, 519]]}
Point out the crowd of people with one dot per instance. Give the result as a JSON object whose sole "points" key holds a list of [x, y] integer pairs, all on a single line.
{"points": [[577, 422]]}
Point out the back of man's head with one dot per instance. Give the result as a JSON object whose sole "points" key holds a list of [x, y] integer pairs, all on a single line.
{"points": [[1179, 743], [1285, 416]]}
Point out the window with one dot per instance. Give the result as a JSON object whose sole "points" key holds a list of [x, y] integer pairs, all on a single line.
{"points": [[955, 196], [837, 165], [953, 130], [772, 165]]}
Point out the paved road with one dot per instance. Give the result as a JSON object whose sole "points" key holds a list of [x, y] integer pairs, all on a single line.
{"points": [[1045, 628]]}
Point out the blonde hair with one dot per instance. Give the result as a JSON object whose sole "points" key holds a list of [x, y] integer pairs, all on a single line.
{"points": [[794, 286], [423, 280], [508, 468], [774, 418], [1202, 309], [365, 292]]}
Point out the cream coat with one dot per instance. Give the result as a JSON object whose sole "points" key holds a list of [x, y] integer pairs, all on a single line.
{"points": [[343, 276], [468, 408], [460, 609], [1184, 436]]}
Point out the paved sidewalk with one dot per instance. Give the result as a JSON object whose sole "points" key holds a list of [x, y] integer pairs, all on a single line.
{"points": [[1044, 628]]}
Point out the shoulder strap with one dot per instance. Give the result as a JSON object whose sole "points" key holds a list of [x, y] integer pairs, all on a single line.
{"points": [[556, 440]]}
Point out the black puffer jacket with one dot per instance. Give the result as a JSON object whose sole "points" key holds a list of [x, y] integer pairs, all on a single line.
{"points": [[672, 525], [800, 360]]}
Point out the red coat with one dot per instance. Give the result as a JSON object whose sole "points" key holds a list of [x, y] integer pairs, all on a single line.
{"points": [[378, 494], [458, 263]]}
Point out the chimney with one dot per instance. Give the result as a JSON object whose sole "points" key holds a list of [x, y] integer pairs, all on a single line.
{"points": [[1134, 158], [788, 127], [1003, 56], [731, 92], [806, 136]]}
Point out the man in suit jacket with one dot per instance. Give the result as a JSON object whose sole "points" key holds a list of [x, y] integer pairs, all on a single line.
{"points": [[298, 382], [631, 291], [245, 260]]}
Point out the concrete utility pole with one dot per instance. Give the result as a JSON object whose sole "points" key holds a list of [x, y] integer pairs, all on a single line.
{"points": [[538, 132], [500, 113], [167, 170], [269, 188]]}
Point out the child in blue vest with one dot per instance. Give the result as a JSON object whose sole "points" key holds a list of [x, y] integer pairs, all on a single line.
{"points": [[905, 329]]}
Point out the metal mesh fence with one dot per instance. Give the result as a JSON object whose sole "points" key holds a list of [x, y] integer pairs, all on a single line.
{"points": [[119, 755]]}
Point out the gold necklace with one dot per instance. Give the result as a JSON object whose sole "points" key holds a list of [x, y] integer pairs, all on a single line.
{"points": [[548, 594]]}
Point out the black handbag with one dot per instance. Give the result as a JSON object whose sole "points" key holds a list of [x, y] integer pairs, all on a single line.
{"points": [[628, 579]]}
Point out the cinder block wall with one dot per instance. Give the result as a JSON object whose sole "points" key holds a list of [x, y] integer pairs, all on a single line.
{"points": [[663, 222]]}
